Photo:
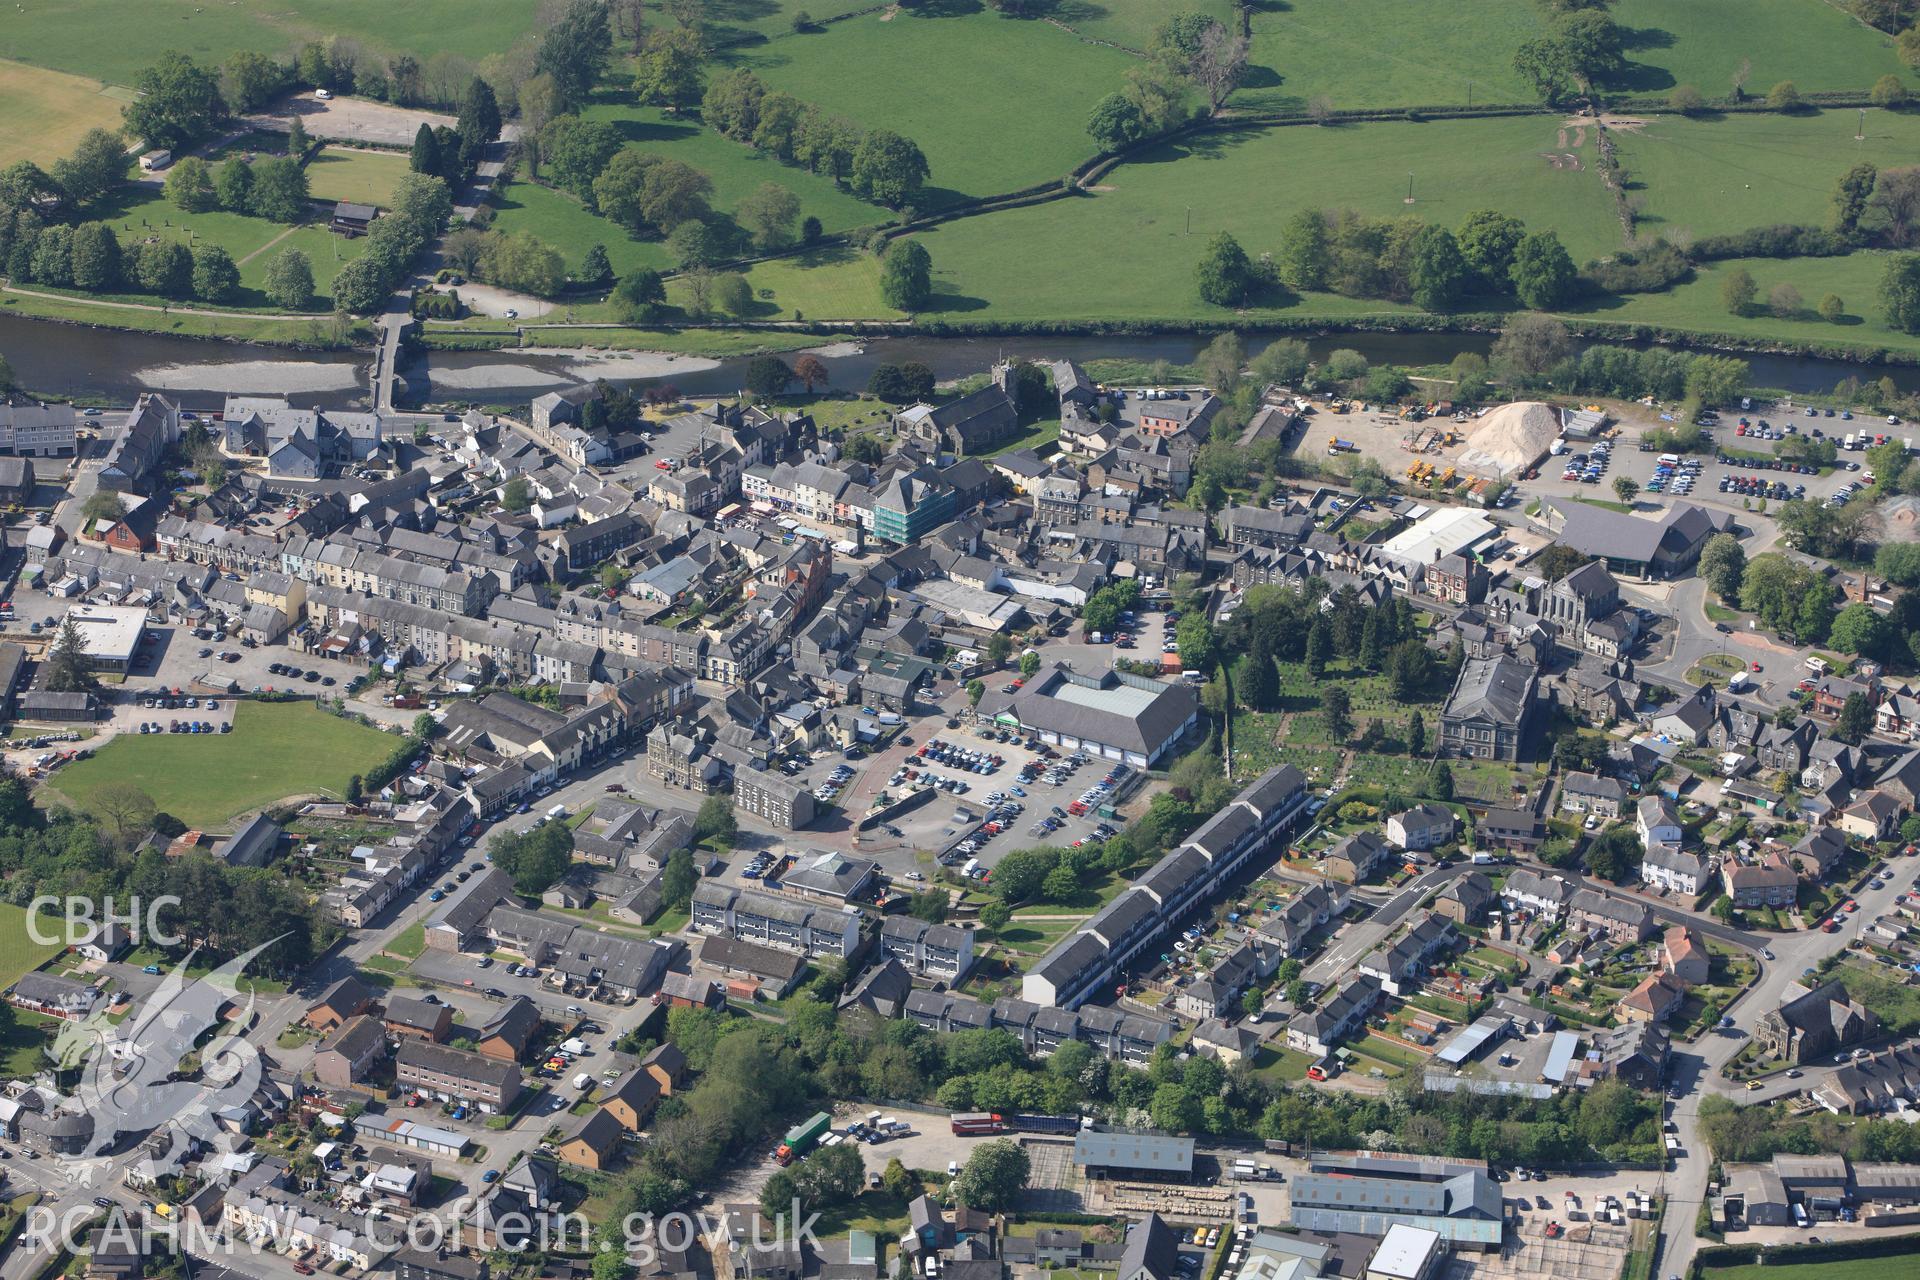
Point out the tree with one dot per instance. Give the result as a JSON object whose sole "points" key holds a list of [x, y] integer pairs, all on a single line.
{"points": [[1305, 253], [573, 52], [715, 821], [1530, 345], [995, 1175], [97, 166], [1284, 361], [888, 169], [1858, 628], [1832, 308], [734, 296], [1438, 273], [1687, 100], [1416, 734], [769, 213], [1722, 562], [1784, 301], [1900, 293], [811, 371], [297, 143], [976, 690], [479, 112], [68, 670], [1899, 563], [1221, 361], [1409, 668], [594, 267], [1855, 720], [1737, 291], [1488, 240], [280, 189], [215, 277], [1543, 274], [177, 103], [1441, 785], [1219, 64], [1336, 709], [1626, 488], [425, 155], [1888, 92], [1716, 379], [906, 275], [167, 269], [640, 296], [1256, 681], [516, 495], [678, 879], [1116, 122], [1029, 665], [190, 185], [1592, 44], [234, 185], [95, 257], [768, 375], [1615, 854], [1224, 274], [1557, 561], [1543, 62], [1784, 96], [125, 810]]}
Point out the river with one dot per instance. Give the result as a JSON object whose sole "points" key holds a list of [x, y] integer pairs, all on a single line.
{"points": [[68, 360]]}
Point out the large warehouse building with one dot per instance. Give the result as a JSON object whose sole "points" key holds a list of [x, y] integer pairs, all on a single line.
{"points": [[1113, 715]]}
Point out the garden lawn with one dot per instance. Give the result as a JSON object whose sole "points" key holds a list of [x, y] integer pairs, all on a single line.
{"points": [[1697, 305], [43, 113], [19, 953], [363, 177], [1387, 53], [1708, 176], [117, 39], [276, 750], [995, 105]]}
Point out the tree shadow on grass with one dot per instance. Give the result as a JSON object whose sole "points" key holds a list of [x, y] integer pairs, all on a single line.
{"points": [[944, 9], [947, 300], [1261, 78]]}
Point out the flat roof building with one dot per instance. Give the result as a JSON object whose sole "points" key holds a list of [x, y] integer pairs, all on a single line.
{"points": [[109, 633]]}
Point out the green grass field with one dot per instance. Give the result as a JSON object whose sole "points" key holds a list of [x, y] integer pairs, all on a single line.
{"points": [[1707, 176], [43, 113], [1130, 23], [1386, 53], [19, 953], [1126, 251], [364, 177], [276, 749], [1816, 45], [1697, 304], [116, 39], [1847, 1269], [253, 242], [996, 105], [832, 284]]}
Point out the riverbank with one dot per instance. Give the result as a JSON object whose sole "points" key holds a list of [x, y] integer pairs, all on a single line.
{"points": [[307, 333]]}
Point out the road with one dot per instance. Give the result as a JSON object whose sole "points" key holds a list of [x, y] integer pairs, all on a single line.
{"points": [[1695, 1069]]}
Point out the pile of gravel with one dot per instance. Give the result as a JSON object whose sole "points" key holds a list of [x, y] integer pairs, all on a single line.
{"points": [[1510, 439]]}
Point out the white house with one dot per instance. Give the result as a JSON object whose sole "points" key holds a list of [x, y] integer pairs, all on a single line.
{"points": [[1658, 823]]}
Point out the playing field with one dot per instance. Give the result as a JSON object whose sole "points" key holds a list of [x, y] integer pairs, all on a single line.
{"points": [[276, 749], [995, 105], [364, 177], [43, 113], [1709, 176], [116, 39]]}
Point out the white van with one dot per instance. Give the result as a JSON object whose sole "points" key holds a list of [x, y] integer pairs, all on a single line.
{"points": [[557, 812]]}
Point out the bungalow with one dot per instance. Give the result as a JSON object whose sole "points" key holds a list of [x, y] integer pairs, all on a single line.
{"points": [[53, 995], [105, 942]]}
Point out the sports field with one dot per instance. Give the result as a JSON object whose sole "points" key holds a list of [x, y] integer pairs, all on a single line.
{"points": [[1713, 175], [116, 39], [43, 113], [995, 105], [364, 177], [276, 749]]}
